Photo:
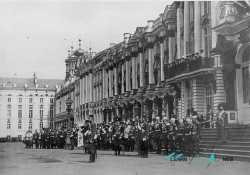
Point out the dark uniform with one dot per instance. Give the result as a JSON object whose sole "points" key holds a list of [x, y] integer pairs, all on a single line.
{"points": [[137, 137], [157, 129], [165, 140], [117, 138], [36, 139], [131, 139], [90, 132], [180, 139], [144, 134], [188, 136], [172, 136], [52, 139]]}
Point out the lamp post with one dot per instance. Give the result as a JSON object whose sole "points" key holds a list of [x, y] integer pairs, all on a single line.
{"points": [[68, 103]]}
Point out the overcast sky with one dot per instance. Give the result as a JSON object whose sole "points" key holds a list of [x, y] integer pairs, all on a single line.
{"points": [[35, 37]]}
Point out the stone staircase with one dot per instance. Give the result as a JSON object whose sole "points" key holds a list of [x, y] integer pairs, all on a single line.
{"points": [[238, 147]]}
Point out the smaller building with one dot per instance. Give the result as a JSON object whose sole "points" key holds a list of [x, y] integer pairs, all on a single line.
{"points": [[26, 103]]}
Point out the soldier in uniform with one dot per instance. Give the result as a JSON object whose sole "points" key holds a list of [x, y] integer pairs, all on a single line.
{"points": [[90, 133], [150, 136], [118, 131], [172, 135], [157, 129], [36, 138], [40, 141], [98, 134], [144, 134], [131, 140], [136, 136], [52, 138], [196, 134], [165, 131], [188, 136], [180, 139]]}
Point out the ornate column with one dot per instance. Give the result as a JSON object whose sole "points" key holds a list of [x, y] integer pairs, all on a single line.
{"points": [[110, 82], [134, 54], [87, 89], [103, 82], [150, 46], [197, 26], [127, 73], [83, 90], [162, 38], [186, 27], [91, 85], [178, 23], [106, 84], [141, 52], [115, 75], [123, 68], [171, 44]]}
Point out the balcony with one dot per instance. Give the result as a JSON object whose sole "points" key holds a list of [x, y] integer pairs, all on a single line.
{"points": [[187, 66]]}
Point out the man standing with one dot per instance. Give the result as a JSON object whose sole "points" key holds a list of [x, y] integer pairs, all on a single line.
{"points": [[157, 128], [165, 131], [144, 135], [89, 132], [35, 138], [136, 136], [117, 134]]}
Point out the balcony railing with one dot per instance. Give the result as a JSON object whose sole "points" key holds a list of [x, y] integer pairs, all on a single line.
{"points": [[187, 65]]}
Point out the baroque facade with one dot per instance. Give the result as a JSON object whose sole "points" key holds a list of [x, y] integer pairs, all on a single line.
{"points": [[26, 104], [194, 55]]}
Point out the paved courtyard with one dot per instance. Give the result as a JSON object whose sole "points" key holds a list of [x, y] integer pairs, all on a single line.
{"points": [[15, 159]]}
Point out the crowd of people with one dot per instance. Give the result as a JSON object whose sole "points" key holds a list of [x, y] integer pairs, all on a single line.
{"points": [[182, 135], [52, 138]]}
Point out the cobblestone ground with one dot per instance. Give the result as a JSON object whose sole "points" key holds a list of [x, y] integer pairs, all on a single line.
{"points": [[15, 159]]}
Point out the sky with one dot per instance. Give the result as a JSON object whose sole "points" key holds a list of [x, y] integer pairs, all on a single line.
{"points": [[36, 36]]}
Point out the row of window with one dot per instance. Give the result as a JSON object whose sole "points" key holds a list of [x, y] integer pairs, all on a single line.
{"points": [[30, 124], [20, 100], [30, 111]]}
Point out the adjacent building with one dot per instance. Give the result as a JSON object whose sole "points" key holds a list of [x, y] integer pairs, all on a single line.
{"points": [[194, 55], [26, 104]]}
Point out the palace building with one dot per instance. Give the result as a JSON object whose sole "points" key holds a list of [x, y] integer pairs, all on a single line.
{"points": [[194, 55], [26, 104]]}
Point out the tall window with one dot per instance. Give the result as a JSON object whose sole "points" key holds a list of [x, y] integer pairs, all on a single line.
{"points": [[41, 124], [207, 39], [207, 7], [60, 107], [51, 112], [9, 99], [41, 100], [51, 100], [20, 111], [30, 100], [190, 97], [20, 100], [19, 124], [9, 111], [30, 111], [41, 111], [209, 97], [8, 124], [51, 124], [30, 124]]}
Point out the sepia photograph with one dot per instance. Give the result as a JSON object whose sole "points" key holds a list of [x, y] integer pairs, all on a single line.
{"points": [[124, 87]]}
